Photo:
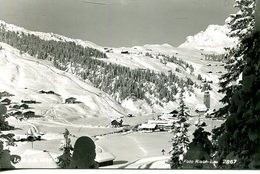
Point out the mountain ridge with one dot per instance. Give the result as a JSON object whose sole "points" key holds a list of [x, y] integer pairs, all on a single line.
{"points": [[214, 39]]}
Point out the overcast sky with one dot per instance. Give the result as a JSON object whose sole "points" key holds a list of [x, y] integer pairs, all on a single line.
{"points": [[118, 22]]}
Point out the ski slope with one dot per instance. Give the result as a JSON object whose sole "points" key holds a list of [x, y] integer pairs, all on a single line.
{"points": [[25, 76]]}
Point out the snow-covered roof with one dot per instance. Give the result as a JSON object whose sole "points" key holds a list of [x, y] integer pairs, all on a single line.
{"points": [[160, 122], [104, 156], [167, 116], [201, 107], [147, 126]]}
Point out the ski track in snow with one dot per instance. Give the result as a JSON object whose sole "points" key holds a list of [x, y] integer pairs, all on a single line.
{"points": [[72, 80]]}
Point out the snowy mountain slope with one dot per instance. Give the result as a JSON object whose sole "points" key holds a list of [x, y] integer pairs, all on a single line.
{"points": [[25, 76], [147, 57], [49, 36], [214, 39]]}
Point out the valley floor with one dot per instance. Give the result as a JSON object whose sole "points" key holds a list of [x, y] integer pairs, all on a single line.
{"points": [[131, 149]]}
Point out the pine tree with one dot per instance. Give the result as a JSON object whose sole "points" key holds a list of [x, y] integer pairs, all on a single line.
{"points": [[239, 138], [65, 159], [241, 25], [4, 125], [199, 149], [180, 139]]}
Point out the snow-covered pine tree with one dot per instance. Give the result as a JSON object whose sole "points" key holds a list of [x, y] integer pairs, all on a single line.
{"points": [[65, 159], [239, 137], [180, 139], [199, 150], [241, 25], [4, 125]]}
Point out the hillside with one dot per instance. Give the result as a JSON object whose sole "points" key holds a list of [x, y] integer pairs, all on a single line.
{"points": [[143, 79], [25, 77]]}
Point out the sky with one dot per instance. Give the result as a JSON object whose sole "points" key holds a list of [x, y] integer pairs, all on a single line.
{"points": [[117, 23]]}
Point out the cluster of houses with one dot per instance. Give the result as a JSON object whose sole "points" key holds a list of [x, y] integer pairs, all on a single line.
{"points": [[27, 114], [164, 122], [17, 110]]}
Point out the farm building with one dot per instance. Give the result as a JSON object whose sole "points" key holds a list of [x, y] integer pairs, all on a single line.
{"points": [[167, 117], [116, 123], [174, 112], [6, 101], [46, 92], [5, 94], [17, 113], [29, 101], [201, 108], [125, 52], [29, 114], [163, 124], [23, 106], [148, 127], [129, 115], [50, 92], [15, 106], [70, 100]]}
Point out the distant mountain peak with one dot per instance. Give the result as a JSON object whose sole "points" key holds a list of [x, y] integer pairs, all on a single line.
{"points": [[213, 39]]}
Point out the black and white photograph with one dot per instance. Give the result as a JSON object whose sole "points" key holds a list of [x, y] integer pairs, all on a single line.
{"points": [[130, 84]]}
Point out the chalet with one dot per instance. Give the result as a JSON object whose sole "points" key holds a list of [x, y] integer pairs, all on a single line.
{"points": [[15, 106], [23, 106], [17, 113], [46, 92], [70, 100], [167, 117], [163, 124], [174, 112], [5, 94], [41, 92], [201, 108], [50, 92], [129, 115], [29, 101], [116, 123], [29, 114], [148, 127], [209, 113], [6, 101], [125, 52]]}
